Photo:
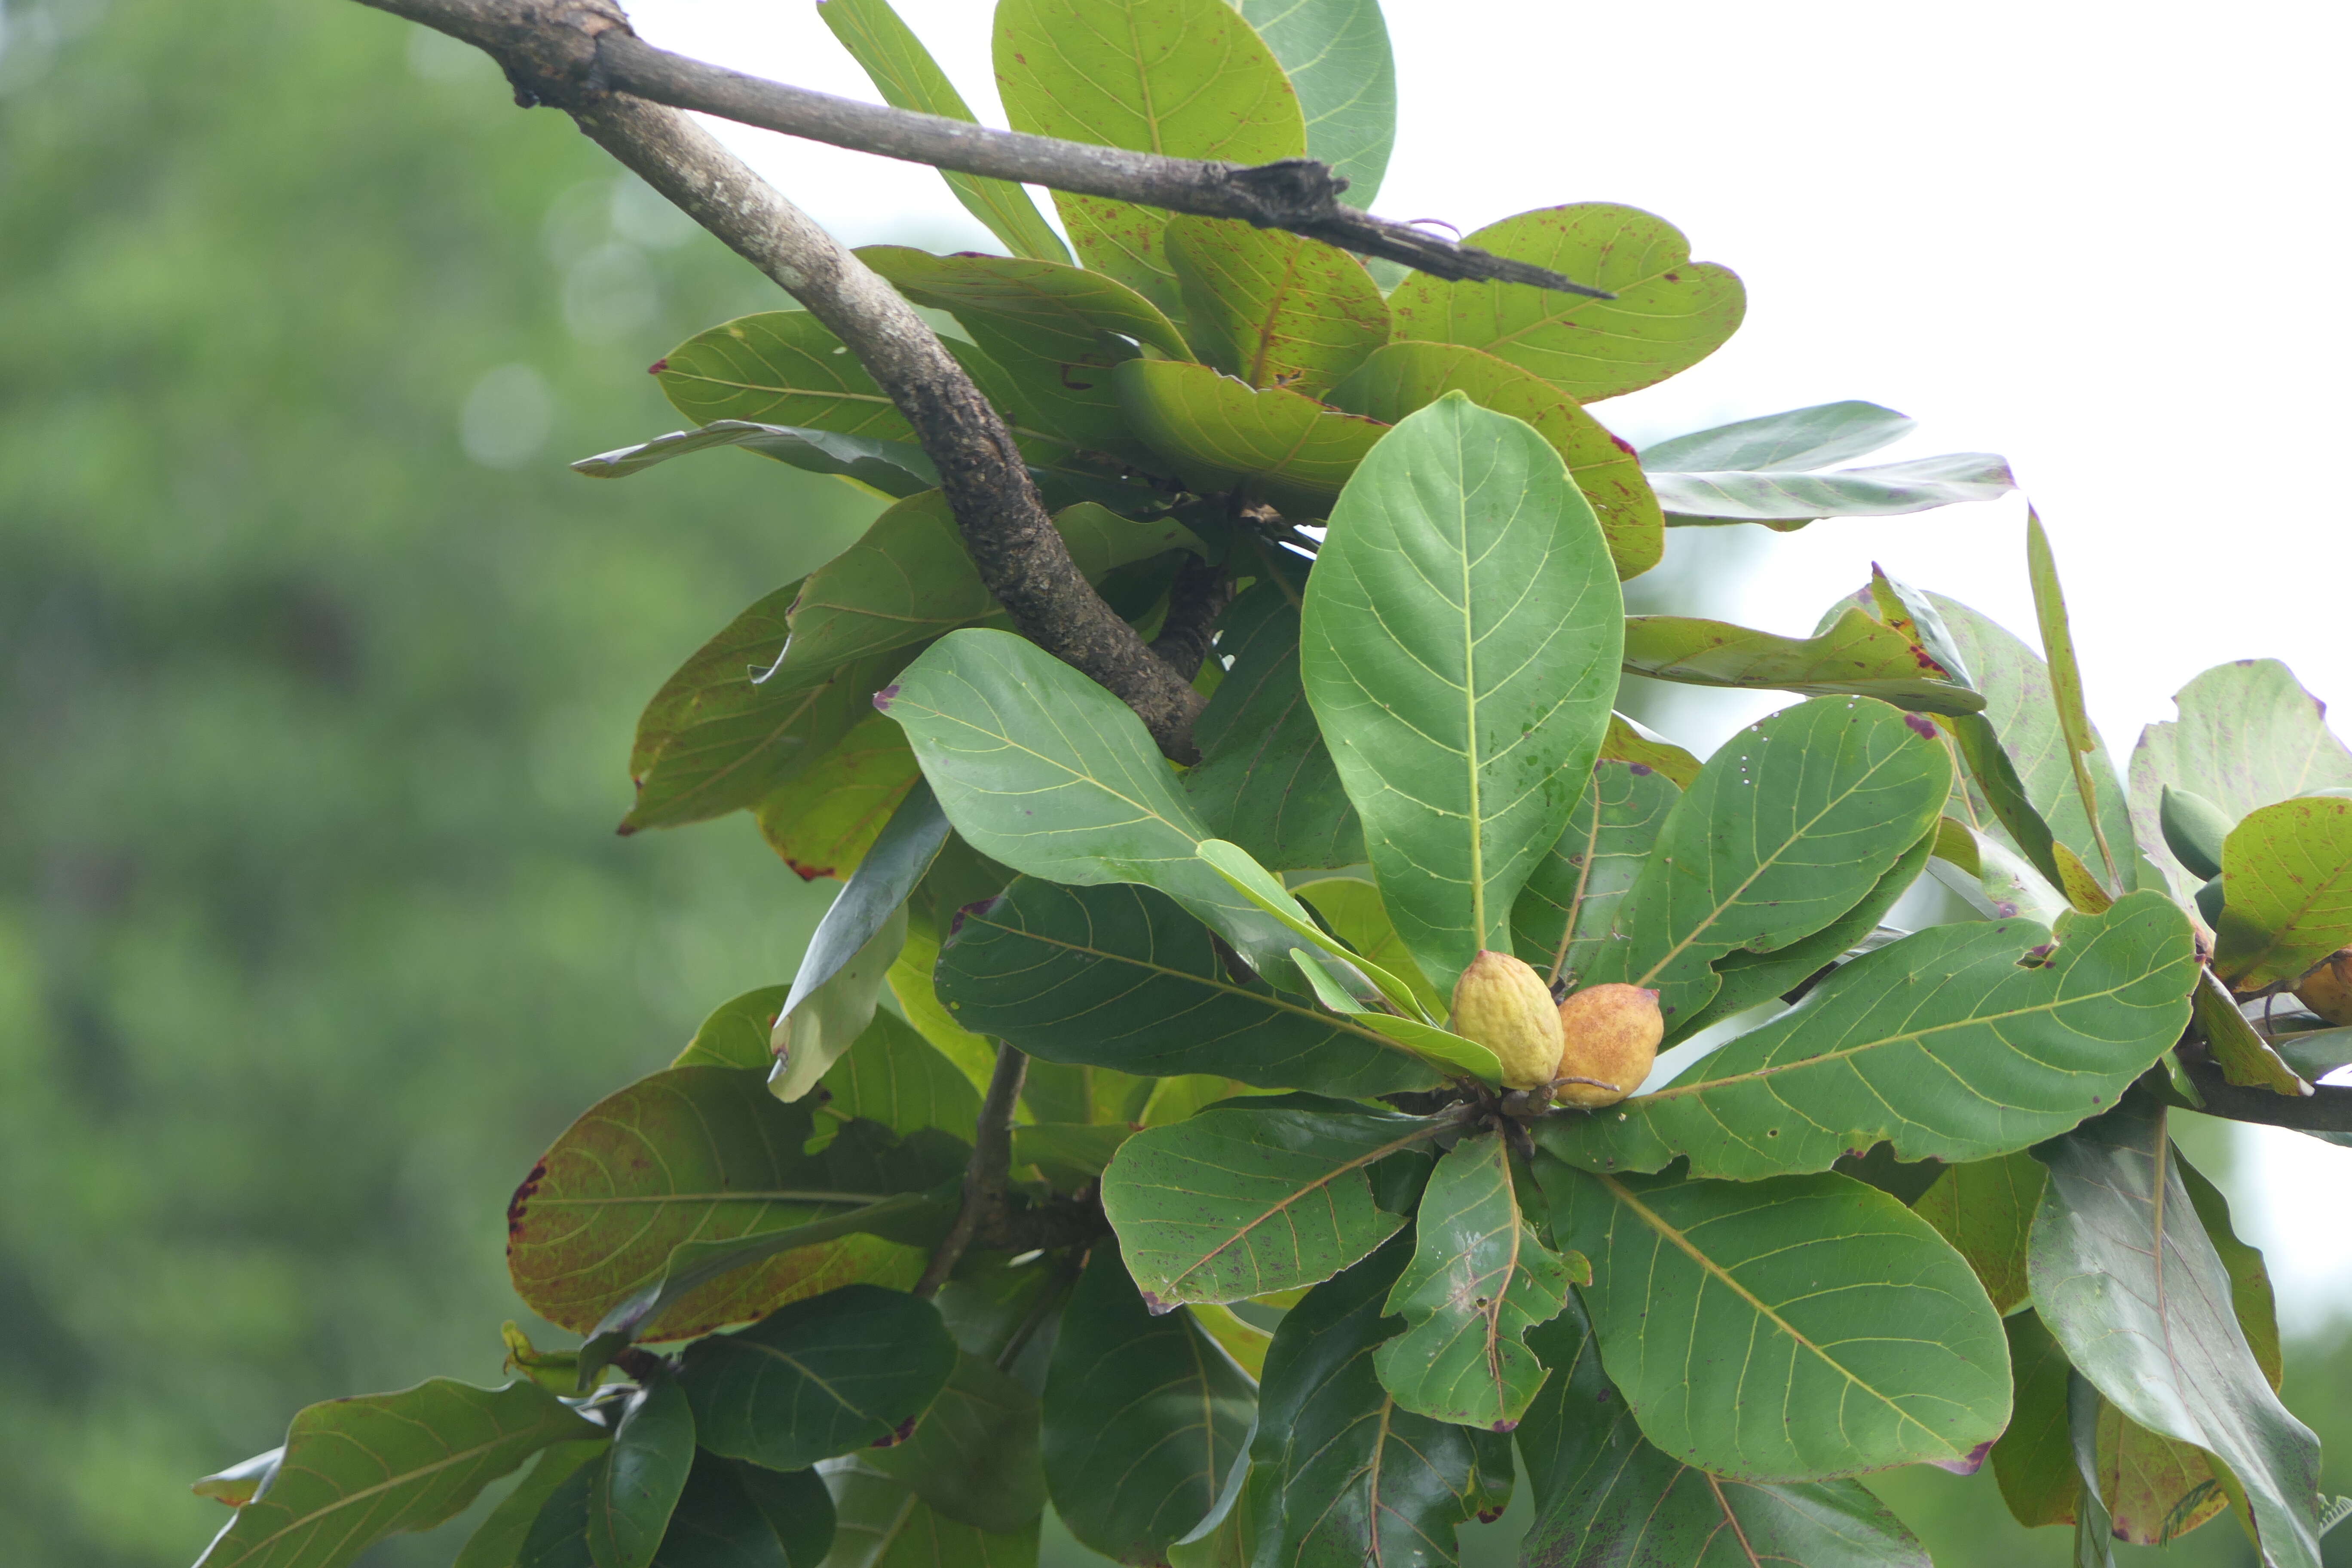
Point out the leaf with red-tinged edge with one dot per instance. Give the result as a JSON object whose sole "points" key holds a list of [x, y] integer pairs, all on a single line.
{"points": [[822, 823]]}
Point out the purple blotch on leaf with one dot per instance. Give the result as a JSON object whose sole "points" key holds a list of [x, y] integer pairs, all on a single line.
{"points": [[882, 697], [1921, 725]]}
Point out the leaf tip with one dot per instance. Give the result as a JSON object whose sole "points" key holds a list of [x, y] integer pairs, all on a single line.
{"points": [[1968, 1464], [883, 698], [1158, 1308], [658, 366]]}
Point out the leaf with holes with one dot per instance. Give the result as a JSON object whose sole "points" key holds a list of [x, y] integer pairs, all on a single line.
{"points": [[2286, 880], [1565, 916], [1336, 53], [1959, 1042], [1856, 655], [1272, 307], [1216, 431]]}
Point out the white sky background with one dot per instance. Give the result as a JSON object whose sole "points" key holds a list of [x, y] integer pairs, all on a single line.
{"points": [[2104, 241]]}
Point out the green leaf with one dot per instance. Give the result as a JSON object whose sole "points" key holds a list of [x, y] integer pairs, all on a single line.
{"points": [[907, 77], [1788, 827], [1144, 1415], [1459, 648], [243, 1481], [499, 1540], [2248, 735], [356, 1471], [2253, 1301], [974, 1454], [1786, 502], [1039, 768], [1792, 442], [2287, 879], [635, 1487], [1406, 376], [780, 367], [1841, 1333], [1336, 53], [891, 467], [796, 1506], [819, 1025], [1333, 956], [910, 982], [1186, 77], [881, 1523], [1856, 655], [699, 1154], [1218, 432], [1565, 915], [2066, 687], [718, 1522], [822, 822], [2127, 1281], [2033, 1461], [1262, 1196], [1265, 781], [818, 1378], [1985, 1209], [1670, 312], [1349, 1477], [1457, 1056], [885, 876], [899, 1079], [1957, 1043], [1352, 909], [2238, 1049], [1069, 1155], [1272, 307], [1478, 1280], [736, 1032], [1605, 1494], [1630, 742]]}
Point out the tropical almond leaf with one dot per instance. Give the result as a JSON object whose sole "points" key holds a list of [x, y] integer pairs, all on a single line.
{"points": [[1406, 376], [896, 1078], [1630, 741], [1669, 313], [720, 1522], [877, 890], [1985, 1209], [1856, 655], [1262, 1196], [895, 468], [2033, 1461], [2286, 880], [1459, 646], [1272, 307], [780, 367], [2066, 689], [822, 823], [820, 1023], [356, 1471], [1786, 502], [1351, 909], [881, 1522], [974, 1454], [1564, 916], [1793, 1329], [1478, 1280], [1457, 1054], [736, 1032], [1039, 768], [499, 1540], [1957, 1043], [1336, 53], [635, 1487], [1796, 441], [1218, 431]]}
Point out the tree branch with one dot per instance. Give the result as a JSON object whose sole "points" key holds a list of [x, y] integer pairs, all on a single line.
{"points": [[2326, 1109], [1197, 597], [989, 1171], [570, 52]]}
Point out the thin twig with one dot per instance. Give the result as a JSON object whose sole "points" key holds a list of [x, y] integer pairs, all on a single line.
{"points": [[568, 52], [988, 1174]]}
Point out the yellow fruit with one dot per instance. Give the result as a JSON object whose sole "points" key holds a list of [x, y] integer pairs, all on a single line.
{"points": [[2327, 990], [1507, 1007], [1609, 1037]]}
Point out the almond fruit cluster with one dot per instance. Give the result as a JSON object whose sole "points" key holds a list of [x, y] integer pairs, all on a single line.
{"points": [[1591, 1050]]}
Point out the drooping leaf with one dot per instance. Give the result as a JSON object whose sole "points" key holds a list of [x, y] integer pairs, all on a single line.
{"points": [[736, 1032], [1406, 376], [1670, 312], [1630, 742], [1348, 1477], [1459, 644], [1336, 53], [823, 822], [1957, 1043], [1796, 441], [2287, 879], [1272, 307], [1790, 826], [818, 1378], [2248, 735], [1786, 502], [1565, 916], [635, 1486], [1793, 1329], [1352, 908], [881, 1523], [974, 1454], [1236, 1336], [1985, 1209], [894, 468], [1856, 655], [1479, 1278], [902, 854], [699, 1154], [1265, 781], [1121, 977], [1216, 431], [1605, 1495], [780, 367], [2127, 1281], [899, 1079], [1362, 979], [499, 1540], [1186, 77], [356, 1471], [1263, 1196], [907, 77], [1144, 1415], [819, 1025], [1039, 768]]}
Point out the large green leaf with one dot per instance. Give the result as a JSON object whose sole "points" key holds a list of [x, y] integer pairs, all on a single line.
{"points": [[2287, 879], [1217, 431], [1856, 655], [1605, 1495], [1959, 1042], [356, 1471], [1406, 376], [1792, 1328], [1349, 1478], [1144, 1415], [974, 1454], [2248, 735], [720, 1523], [780, 367], [1039, 768], [1267, 1194], [736, 1032], [893, 467], [1272, 307], [1670, 312], [1786, 502], [907, 77], [2130, 1284], [1985, 1209], [499, 1540], [822, 821], [1121, 977], [899, 1079], [1479, 1278], [1792, 442], [881, 1523], [697, 1154], [635, 1486], [1265, 781], [819, 1377], [1186, 77], [1336, 53], [1460, 641], [1790, 826], [1565, 914]]}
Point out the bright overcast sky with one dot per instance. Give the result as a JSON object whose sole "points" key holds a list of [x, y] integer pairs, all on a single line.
{"points": [[2092, 238]]}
